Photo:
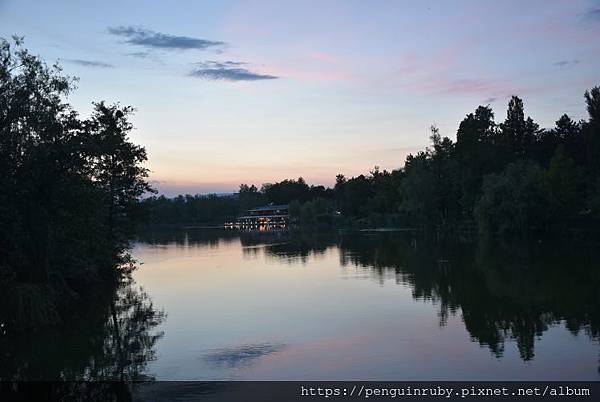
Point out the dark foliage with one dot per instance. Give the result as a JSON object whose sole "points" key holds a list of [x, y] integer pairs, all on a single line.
{"points": [[215, 209], [510, 177], [69, 191]]}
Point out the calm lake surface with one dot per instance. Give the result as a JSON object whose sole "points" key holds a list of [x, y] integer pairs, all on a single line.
{"points": [[369, 306], [227, 305]]}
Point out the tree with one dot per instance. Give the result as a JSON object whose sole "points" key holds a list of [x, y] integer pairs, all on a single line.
{"points": [[517, 134], [386, 193], [568, 133], [428, 190], [340, 182], [249, 197], [116, 167], [563, 179], [592, 99], [417, 189], [37, 130], [356, 194], [591, 138], [286, 191], [475, 155], [69, 191], [513, 201]]}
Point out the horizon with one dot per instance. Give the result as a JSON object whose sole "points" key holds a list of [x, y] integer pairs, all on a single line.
{"points": [[367, 197], [229, 92]]}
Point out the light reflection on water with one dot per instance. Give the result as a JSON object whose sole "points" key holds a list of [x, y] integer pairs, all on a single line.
{"points": [[275, 305]]}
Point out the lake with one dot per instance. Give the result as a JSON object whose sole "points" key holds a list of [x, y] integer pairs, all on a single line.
{"points": [[275, 305], [368, 306]]}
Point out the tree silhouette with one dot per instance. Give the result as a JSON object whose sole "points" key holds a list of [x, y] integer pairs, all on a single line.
{"points": [[69, 192]]}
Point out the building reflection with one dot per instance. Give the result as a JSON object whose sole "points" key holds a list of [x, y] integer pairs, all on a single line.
{"points": [[502, 291]]}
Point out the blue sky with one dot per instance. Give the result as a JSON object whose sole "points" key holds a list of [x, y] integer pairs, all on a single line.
{"points": [[229, 92]]}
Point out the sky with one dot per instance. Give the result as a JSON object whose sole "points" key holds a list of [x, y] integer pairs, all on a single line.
{"points": [[230, 92]]}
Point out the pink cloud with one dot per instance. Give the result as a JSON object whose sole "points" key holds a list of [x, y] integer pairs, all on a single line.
{"points": [[410, 63], [309, 73], [322, 57], [444, 72], [469, 86], [312, 66]]}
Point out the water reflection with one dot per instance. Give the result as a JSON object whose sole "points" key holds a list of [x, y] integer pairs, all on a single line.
{"points": [[502, 291], [244, 355], [281, 305], [281, 244], [113, 340], [290, 299]]}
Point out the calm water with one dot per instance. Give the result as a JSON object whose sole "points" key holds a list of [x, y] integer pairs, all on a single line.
{"points": [[209, 305], [369, 307]]}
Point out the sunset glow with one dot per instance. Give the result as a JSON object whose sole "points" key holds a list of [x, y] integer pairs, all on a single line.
{"points": [[233, 92]]}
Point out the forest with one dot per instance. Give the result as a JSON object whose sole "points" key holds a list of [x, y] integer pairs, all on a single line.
{"points": [[509, 178]]}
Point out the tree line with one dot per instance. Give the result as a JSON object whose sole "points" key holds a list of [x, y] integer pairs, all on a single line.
{"points": [[69, 193], [214, 209], [71, 188], [509, 177]]}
